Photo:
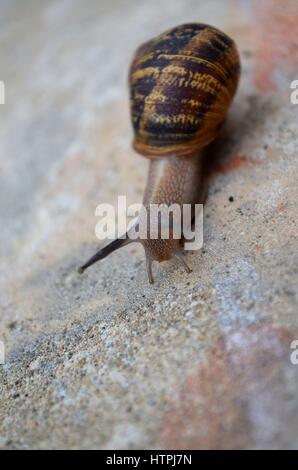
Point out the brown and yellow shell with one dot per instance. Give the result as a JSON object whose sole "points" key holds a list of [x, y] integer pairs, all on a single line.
{"points": [[181, 85]]}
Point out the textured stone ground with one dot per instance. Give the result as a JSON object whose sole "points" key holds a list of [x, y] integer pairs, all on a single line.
{"points": [[105, 360]]}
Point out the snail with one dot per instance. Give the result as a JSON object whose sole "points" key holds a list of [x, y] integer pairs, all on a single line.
{"points": [[182, 83]]}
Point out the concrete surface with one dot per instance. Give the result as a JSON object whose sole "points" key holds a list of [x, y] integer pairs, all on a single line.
{"points": [[105, 360]]}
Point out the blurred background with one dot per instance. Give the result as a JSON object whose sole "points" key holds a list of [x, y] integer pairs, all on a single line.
{"points": [[105, 360]]}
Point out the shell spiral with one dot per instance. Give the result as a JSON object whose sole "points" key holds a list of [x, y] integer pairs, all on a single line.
{"points": [[181, 85]]}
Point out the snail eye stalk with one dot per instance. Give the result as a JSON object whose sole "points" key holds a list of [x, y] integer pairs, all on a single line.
{"points": [[104, 252]]}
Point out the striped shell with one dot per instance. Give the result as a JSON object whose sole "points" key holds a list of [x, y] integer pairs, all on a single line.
{"points": [[181, 85]]}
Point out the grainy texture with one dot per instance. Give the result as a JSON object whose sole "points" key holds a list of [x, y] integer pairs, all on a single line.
{"points": [[104, 360]]}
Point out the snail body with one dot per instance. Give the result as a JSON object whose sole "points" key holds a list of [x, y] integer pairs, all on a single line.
{"points": [[171, 181], [181, 85]]}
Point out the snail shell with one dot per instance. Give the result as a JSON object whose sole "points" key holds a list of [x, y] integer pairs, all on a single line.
{"points": [[181, 85]]}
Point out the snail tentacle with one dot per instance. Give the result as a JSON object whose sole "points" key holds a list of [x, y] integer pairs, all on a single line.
{"points": [[149, 269], [179, 256], [104, 252]]}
